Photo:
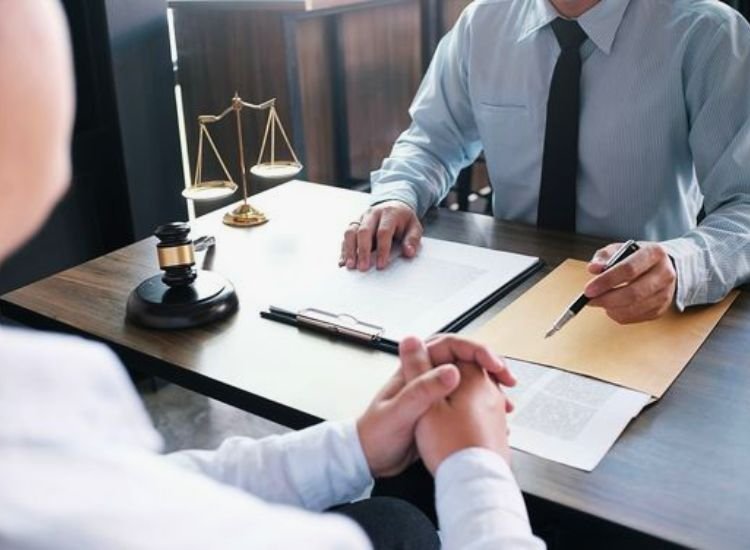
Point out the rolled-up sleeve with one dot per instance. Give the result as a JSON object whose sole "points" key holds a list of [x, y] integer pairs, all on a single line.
{"points": [[442, 137], [714, 258]]}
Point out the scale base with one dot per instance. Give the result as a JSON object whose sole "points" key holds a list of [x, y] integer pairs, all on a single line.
{"points": [[153, 304], [244, 216]]}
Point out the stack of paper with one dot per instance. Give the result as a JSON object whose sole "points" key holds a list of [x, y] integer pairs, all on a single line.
{"points": [[418, 296]]}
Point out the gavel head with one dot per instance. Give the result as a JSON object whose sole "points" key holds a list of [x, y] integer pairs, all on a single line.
{"points": [[176, 254]]}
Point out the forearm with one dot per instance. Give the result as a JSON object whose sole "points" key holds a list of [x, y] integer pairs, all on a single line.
{"points": [[479, 504], [442, 138], [715, 257], [314, 468], [413, 175]]}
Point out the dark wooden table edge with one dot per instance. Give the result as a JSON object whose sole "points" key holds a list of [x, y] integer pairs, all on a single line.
{"points": [[205, 385]]}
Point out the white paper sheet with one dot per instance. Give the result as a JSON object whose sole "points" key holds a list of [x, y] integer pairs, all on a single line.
{"points": [[568, 418], [418, 296]]}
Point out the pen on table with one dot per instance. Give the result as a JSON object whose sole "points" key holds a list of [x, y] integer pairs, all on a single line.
{"points": [[573, 309]]}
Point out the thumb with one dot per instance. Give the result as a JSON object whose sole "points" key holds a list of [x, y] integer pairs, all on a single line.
{"points": [[422, 392], [411, 238]]}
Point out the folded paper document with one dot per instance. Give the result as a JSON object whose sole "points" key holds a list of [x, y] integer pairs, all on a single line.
{"points": [[573, 419], [646, 357], [566, 417]]}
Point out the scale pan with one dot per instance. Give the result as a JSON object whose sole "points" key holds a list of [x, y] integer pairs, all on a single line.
{"points": [[210, 190], [277, 170]]}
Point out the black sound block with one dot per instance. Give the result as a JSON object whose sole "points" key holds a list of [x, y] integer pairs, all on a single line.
{"points": [[153, 304]]}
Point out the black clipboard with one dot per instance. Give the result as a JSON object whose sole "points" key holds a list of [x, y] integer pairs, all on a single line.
{"points": [[347, 327]]}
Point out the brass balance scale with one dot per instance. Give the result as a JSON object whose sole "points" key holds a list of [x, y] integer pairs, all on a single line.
{"points": [[185, 296], [245, 215]]}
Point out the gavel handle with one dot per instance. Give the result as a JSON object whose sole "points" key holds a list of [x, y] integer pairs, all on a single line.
{"points": [[202, 243]]}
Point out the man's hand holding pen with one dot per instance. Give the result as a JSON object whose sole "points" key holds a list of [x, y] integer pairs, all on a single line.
{"points": [[640, 288]]}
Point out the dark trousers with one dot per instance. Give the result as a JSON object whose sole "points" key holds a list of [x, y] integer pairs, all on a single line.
{"points": [[392, 524], [414, 485]]}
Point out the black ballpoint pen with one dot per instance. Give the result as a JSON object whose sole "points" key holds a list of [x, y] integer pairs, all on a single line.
{"points": [[573, 309]]}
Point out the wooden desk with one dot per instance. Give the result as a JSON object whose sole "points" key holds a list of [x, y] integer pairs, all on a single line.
{"points": [[680, 472]]}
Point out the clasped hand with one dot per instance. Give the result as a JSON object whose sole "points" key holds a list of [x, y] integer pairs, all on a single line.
{"points": [[444, 398]]}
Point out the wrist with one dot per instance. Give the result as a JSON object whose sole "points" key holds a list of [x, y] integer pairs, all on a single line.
{"points": [[395, 202], [381, 455], [398, 191], [361, 429]]}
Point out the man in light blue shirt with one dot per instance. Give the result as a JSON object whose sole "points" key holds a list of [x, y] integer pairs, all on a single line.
{"points": [[664, 129]]}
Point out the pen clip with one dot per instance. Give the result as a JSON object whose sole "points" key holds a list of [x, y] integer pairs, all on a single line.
{"points": [[628, 248], [340, 324]]}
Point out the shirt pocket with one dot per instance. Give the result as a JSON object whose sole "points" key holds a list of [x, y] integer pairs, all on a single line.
{"points": [[511, 141]]}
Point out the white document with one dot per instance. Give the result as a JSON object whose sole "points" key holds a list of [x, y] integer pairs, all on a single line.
{"points": [[418, 296], [566, 417]]}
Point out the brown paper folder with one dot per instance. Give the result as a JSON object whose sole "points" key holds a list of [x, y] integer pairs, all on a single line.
{"points": [[646, 357]]}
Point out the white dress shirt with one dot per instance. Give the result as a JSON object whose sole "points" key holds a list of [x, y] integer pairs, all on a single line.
{"points": [[664, 126], [80, 468]]}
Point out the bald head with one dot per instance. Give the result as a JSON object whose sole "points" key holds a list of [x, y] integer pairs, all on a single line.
{"points": [[37, 103]]}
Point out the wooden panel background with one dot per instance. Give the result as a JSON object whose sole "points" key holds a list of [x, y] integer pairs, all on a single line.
{"points": [[315, 89], [344, 78], [223, 50], [381, 51], [449, 12]]}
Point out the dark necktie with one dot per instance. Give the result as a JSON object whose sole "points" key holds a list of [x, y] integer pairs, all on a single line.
{"points": [[557, 193]]}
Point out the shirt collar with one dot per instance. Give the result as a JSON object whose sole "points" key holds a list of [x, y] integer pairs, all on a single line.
{"points": [[600, 23]]}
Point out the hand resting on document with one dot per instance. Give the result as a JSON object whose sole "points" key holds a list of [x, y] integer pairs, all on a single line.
{"points": [[370, 239]]}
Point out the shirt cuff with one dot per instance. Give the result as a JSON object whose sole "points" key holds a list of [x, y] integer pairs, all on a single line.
{"points": [[335, 451], [478, 501], [692, 275], [395, 191]]}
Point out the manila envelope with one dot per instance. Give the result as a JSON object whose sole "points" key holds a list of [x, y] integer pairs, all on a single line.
{"points": [[646, 356]]}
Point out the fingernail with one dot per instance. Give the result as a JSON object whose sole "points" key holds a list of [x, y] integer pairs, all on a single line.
{"points": [[350, 263], [410, 345]]}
